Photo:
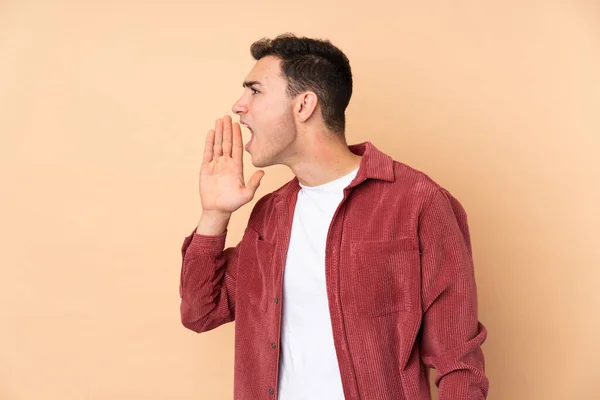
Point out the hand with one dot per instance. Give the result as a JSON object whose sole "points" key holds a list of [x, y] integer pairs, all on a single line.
{"points": [[223, 189]]}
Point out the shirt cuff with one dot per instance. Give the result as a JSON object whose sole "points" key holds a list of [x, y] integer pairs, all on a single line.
{"points": [[205, 244]]}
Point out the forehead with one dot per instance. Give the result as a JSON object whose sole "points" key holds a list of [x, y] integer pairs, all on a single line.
{"points": [[267, 71]]}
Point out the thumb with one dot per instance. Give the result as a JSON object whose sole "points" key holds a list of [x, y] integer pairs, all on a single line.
{"points": [[254, 181]]}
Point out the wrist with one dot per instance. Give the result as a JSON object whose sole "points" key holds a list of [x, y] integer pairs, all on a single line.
{"points": [[213, 222]]}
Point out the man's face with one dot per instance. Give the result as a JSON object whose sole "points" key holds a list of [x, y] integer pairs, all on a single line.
{"points": [[266, 109]]}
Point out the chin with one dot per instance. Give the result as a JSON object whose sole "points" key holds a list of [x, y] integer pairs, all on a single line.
{"points": [[260, 163], [255, 161]]}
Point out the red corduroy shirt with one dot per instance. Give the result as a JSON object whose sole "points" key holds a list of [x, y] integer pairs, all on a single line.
{"points": [[400, 285]]}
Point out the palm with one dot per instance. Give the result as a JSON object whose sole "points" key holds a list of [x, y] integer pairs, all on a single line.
{"points": [[222, 184]]}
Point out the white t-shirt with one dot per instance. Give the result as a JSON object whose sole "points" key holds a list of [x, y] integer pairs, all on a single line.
{"points": [[308, 363]]}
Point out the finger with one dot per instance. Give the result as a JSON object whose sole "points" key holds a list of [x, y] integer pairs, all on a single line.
{"points": [[208, 147], [218, 144], [237, 145], [254, 181], [227, 136]]}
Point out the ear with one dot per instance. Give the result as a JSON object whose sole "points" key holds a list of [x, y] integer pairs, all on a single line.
{"points": [[306, 104]]}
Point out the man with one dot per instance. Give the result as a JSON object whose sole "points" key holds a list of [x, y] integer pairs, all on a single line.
{"points": [[352, 280]]}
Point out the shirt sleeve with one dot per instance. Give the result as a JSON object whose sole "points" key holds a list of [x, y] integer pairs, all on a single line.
{"points": [[451, 334], [208, 282]]}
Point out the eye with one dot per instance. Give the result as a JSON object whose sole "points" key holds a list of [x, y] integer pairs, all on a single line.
{"points": [[254, 91]]}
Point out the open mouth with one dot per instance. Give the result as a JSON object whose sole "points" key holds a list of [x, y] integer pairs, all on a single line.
{"points": [[251, 134], [247, 147]]}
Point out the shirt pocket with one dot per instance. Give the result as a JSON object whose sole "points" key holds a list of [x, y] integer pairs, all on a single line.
{"points": [[385, 276], [254, 268]]}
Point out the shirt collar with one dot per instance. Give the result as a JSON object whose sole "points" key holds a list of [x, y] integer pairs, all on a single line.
{"points": [[374, 164]]}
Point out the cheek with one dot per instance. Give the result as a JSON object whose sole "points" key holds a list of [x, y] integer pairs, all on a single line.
{"points": [[273, 106], [271, 115]]}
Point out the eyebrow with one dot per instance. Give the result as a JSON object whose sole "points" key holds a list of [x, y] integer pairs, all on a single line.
{"points": [[250, 83]]}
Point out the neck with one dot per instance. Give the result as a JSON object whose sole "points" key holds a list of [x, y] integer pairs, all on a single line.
{"points": [[323, 157]]}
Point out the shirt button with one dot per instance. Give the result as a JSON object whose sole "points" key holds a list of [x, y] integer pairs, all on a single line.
{"points": [[271, 391], [276, 300], [273, 345]]}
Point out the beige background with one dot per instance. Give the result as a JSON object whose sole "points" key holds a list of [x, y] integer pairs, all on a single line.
{"points": [[103, 110]]}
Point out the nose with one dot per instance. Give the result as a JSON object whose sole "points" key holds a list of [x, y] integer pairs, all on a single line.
{"points": [[240, 106]]}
